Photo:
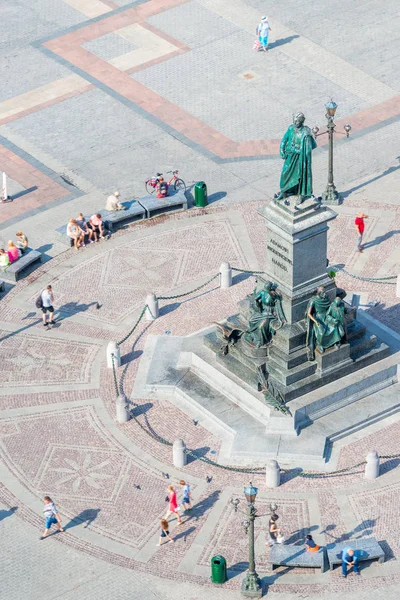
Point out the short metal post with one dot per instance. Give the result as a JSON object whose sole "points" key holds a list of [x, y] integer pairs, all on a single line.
{"points": [[225, 273], [123, 414], [372, 466], [152, 310], [113, 350], [179, 456], [272, 474]]}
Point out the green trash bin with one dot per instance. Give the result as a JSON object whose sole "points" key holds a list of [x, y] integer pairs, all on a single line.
{"points": [[218, 569], [200, 194]]}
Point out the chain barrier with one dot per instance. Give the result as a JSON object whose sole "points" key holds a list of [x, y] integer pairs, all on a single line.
{"points": [[371, 279], [248, 271], [191, 291], [255, 470], [134, 327]]}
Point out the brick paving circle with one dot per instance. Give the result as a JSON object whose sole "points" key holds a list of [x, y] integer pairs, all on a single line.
{"points": [[63, 439]]}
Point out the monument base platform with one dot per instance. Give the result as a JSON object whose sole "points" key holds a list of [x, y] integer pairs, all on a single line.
{"points": [[220, 393]]}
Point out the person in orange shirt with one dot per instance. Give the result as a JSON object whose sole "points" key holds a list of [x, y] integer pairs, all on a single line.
{"points": [[360, 226]]}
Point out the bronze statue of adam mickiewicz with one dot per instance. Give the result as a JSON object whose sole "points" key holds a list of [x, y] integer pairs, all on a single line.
{"points": [[296, 147]]}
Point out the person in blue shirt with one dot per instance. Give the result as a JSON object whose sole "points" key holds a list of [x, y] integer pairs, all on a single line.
{"points": [[349, 559]]}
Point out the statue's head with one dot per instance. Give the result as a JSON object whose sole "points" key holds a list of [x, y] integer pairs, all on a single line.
{"points": [[321, 292], [298, 119], [338, 301], [270, 287]]}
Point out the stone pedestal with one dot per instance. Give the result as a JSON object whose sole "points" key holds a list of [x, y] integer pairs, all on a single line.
{"points": [[296, 249], [296, 260]]}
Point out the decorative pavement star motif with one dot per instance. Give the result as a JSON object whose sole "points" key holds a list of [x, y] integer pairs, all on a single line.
{"points": [[85, 472]]}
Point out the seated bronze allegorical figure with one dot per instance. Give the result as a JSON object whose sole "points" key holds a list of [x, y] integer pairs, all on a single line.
{"points": [[326, 325], [266, 316]]}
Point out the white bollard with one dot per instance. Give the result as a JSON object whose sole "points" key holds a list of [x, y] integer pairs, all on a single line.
{"points": [[152, 311], [179, 456], [113, 349], [122, 409], [225, 275], [372, 466], [4, 193], [272, 474]]}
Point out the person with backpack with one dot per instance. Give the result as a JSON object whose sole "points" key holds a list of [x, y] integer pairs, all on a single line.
{"points": [[45, 302], [263, 30]]}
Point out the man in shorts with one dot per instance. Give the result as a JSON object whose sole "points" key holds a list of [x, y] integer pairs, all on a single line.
{"points": [[47, 306]]}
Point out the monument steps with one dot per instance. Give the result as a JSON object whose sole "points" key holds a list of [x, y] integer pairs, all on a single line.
{"points": [[365, 412], [294, 375]]}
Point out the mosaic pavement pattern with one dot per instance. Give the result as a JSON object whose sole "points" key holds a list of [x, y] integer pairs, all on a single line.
{"points": [[97, 95], [110, 480]]}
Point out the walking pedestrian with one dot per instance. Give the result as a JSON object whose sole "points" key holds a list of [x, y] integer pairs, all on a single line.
{"points": [[187, 496], [164, 532], [349, 559], [273, 531], [263, 30], [47, 305], [173, 505], [360, 226], [51, 515]]}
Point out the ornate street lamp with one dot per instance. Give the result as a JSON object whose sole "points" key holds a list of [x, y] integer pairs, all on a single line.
{"points": [[251, 585], [331, 196]]}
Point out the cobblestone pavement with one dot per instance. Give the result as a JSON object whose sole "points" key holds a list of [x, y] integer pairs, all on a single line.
{"points": [[96, 95]]}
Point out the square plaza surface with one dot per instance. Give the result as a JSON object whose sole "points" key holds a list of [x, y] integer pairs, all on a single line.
{"points": [[98, 95]]}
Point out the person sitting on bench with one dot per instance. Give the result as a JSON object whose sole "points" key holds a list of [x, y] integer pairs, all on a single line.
{"points": [[13, 252], [311, 546], [22, 241], [113, 202], [4, 260], [349, 559]]}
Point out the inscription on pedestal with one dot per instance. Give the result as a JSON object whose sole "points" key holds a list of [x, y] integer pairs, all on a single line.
{"points": [[280, 252]]}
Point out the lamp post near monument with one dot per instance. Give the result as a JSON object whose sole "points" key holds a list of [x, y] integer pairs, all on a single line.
{"points": [[251, 585], [331, 195]]}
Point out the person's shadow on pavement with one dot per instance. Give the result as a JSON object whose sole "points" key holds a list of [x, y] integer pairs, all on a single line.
{"points": [[8, 513], [87, 516]]}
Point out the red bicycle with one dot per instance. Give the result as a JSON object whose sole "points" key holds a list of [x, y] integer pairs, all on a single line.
{"points": [[179, 184]]}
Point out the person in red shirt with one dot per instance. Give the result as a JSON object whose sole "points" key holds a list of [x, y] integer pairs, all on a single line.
{"points": [[360, 226]]}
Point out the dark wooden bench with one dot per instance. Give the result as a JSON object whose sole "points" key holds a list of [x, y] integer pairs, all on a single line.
{"points": [[133, 211], [289, 555], [364, 549], [156, 206], [11, 273]]}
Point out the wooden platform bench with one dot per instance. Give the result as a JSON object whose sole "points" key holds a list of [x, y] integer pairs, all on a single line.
{"points": [[156, 206], [12, 272], [289, 555], [364, 549], [133, 211]]}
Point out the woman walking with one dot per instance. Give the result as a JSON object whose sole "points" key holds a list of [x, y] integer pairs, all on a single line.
{"points": [[164, 533], [273, 531], [173, 505], [263, 31], [51, 515]]}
